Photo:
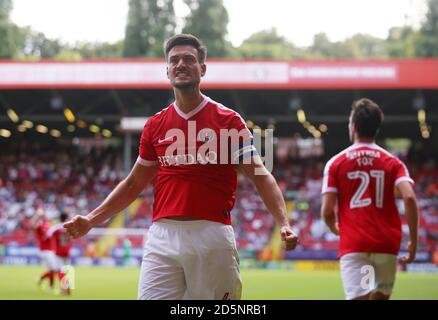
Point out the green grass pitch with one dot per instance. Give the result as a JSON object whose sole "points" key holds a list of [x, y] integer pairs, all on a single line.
{"points": [[18, 282]]}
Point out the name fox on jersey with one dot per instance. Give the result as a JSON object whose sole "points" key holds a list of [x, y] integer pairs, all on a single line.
{"points": [[363, 157]]}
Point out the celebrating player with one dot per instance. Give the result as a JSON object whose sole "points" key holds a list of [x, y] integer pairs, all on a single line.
{"points": [[41, 224], [361, 179], [62, 245], [191, 250]]}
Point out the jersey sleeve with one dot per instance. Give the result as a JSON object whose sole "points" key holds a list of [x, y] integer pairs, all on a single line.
{"points": [[42, 231], [329, 181], [401, 173], [245, 147], [147, 155]]}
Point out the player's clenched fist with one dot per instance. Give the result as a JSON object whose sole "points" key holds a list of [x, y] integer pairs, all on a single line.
{"points": [[78, 226], [289, 238]]}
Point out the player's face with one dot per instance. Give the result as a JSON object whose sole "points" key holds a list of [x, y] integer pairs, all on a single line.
{"points": [[183, 67]]}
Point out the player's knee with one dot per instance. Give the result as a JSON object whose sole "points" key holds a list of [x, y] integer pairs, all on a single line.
{"points": [[377, 295], [363, 297]]}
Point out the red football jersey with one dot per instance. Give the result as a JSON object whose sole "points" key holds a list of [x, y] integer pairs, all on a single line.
{"points": [[44, 242], [364, 176], [61, 240], [195, 178]]}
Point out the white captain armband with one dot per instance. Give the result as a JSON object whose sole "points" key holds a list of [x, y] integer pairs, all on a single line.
{"points": [[245, 150]]}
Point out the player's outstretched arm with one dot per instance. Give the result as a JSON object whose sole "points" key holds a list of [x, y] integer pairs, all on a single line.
{"points": [[271, 195], [328, 211], [411, 211], [121, 197]]}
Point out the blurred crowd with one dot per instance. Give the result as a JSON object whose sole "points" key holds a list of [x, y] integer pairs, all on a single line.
{"points": [[76, 179], [58, 179]]}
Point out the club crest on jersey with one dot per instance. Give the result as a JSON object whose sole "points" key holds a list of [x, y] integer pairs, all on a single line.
{"points": [[206, 135]]}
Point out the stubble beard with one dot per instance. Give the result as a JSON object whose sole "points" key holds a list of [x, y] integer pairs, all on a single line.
{"points": [[186, 85]]}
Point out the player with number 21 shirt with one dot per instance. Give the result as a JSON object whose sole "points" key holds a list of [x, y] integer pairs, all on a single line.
{"points": [[361, 180]]}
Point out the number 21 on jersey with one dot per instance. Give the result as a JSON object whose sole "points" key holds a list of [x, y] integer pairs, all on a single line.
{"points": [[357, 201]]}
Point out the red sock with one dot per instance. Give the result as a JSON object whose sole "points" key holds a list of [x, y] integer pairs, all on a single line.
{"points": [[45, 275], [51, 278]]}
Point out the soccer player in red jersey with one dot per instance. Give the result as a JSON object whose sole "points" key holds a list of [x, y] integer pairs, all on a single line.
{"points": [[192, 147], [62, 245], [41, 224], [362, 181]]}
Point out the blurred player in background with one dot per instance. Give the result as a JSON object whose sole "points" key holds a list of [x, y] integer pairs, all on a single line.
{"points": [[191, 249], [361, 180], [62, 244], [40, 223], [127, 247]]}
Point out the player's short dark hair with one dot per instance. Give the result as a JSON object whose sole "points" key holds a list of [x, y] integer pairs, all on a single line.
{"points": [[186, 39], [367, 117], [63, 216]]}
